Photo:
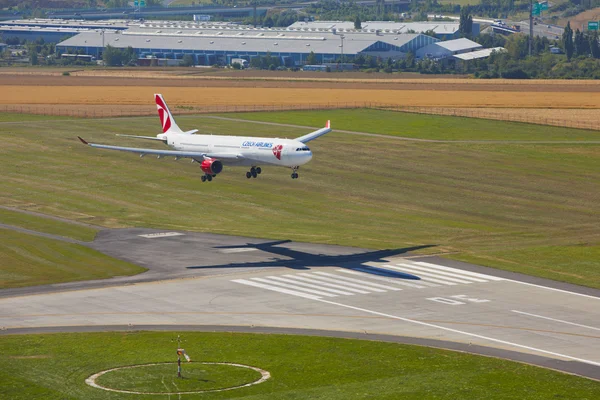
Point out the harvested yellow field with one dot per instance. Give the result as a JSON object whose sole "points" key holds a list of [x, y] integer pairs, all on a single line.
{"points": [[201, 96]]}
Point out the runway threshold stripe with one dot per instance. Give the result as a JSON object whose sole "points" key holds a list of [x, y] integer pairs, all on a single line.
{"points": [[321, 283], [293, 287], [432, 274], [460, 271], [556, 320], [275, 289], [379, 270], [444, 273], [358, 281], [422, 276], [319, 287], [341, 283], [367, 274]]}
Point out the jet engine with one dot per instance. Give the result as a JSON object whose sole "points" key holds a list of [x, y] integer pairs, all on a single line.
{"points": [[211, 167]]}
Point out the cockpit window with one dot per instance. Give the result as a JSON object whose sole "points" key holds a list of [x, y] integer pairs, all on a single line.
{"points": [[303, 149]]}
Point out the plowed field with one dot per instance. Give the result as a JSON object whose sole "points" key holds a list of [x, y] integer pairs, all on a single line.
{"points": [[562, 101]]}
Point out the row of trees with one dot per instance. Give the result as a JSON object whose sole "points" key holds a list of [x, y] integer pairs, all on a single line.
{"points": [[580, 44]]}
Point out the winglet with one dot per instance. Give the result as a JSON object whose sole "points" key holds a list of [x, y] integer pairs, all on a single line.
{"points": [[82, 141], [328, 124]]}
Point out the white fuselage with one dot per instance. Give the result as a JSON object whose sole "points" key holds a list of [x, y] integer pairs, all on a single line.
{"points": [[251, 150]]}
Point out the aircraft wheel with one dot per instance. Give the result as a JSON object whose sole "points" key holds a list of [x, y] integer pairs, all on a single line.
{"points": [[248, 174], [294, 175], [254, 174], [209, 178], [203, 178], [258, 170]]}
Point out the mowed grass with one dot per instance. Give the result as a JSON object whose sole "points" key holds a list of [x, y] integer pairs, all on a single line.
{"points": [[161, 378], [47, 225], [56, 366], [27, 260], [524, 207], [16, 117], [434, 127]]}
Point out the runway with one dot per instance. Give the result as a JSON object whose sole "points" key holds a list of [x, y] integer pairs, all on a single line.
{"points": [[215, 282]]}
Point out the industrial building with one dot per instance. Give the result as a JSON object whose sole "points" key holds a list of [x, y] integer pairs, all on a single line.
{"points": [[447, 49], [218, 44], [443, 30]]}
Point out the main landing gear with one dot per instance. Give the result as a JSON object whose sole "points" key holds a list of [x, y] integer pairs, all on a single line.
{"points": [[207, 177], [254, 172], [294, 173]]}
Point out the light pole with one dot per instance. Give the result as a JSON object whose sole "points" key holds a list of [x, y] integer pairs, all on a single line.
{"points": [[342, 49], [101, 33]]}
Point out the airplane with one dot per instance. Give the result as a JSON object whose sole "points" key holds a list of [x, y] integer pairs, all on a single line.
{"points": [[213, 151]]}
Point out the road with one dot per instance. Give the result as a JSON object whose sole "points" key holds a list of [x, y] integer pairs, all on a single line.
{"points": [[202, 281]]}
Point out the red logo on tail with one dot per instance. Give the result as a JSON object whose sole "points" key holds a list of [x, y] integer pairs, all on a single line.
{"points": [[163, 114], [277, 151]]}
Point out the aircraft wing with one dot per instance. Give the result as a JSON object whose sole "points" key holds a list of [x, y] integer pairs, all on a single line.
{"points": [[174, 153], [313, 135]]}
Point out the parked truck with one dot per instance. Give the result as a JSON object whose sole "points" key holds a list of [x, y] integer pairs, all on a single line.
{"points": [[243, 63]]}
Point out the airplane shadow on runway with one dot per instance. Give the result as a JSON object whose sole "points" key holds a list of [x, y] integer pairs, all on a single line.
{"points": [[299, 260]]}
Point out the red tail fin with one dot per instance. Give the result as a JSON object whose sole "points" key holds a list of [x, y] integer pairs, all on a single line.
{"points": [[166, 119]]}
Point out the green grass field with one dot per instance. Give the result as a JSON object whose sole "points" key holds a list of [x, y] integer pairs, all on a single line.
{"points": [[56, 366], [435, 127], [531, 208], [27, 260], [47, 225]]}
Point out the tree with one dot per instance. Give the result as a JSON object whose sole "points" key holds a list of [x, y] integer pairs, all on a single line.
{"points": [[311, 59], [187, 60], [357, 23], [465, 24], [581, 44], [112, 56], [594, 45], [567, 41], [34, 58]]}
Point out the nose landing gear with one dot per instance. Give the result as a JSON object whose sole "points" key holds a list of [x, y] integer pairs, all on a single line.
{"points": [[294, 173], [254, 172]]}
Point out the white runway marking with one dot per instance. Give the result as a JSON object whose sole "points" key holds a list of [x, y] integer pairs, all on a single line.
{"points": [[460, 332], [555, 320], [365, 284], [556, 290], [240, 250], [295, 282], [161, 235], [295, 288], [379, 278], [355, 285], [459, 271], [333, 285], [423, 276], [409, 268], [275, 289], [444, 273]]}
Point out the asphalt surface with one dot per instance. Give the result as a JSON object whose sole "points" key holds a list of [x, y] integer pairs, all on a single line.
{"points": [[202, 281]]}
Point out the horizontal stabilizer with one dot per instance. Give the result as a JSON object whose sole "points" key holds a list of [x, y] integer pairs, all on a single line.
{"points": [[142, 137], [313, 135]]}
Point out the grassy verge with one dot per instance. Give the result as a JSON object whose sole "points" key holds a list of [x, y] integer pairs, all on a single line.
{"points": [[420, 126], [530, 208], [47, 225], [16, 117], [56, 366], [28, 260]]}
